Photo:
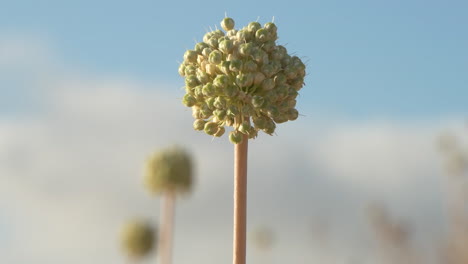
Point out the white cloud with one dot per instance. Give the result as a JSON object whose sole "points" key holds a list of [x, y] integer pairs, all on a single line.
{"points": [[70, 175]]}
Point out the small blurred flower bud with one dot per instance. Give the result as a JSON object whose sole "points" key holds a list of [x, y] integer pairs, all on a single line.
{"points": [[168, 170], [137, 238]]}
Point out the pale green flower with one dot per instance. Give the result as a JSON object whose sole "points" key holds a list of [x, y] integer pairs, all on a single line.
{"points": [[137, 238], [243, 79]]}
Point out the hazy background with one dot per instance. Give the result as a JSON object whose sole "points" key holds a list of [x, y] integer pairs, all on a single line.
{"points": [[89, 88]]}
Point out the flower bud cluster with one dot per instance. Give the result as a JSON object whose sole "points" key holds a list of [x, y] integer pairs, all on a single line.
{"points": [[242, 79], [138, 238], [169, 170]]}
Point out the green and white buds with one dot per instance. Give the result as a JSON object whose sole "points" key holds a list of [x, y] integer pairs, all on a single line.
{"points": [[171, 169], [137, 239], [242, 79]]}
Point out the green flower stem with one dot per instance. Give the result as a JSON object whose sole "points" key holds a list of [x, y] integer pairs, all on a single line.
{"points": [[167, 227], [240, 201]]}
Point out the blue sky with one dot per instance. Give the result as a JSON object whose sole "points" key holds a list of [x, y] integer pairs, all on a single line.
{"points": [[366, 59], [385, 78]]}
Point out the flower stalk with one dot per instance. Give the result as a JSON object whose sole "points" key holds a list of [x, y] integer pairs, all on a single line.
{"points": [[167, 227], [240, 201]]}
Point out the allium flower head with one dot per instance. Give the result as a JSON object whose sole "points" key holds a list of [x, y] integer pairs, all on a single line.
{"points": [[242, 79], [169, 170], [138, 238]]}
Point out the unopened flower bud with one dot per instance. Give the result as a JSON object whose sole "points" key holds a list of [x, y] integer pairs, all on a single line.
{"points": [[270, 27], [203, 77], [220, 114], [268, 84], [226, 46], [221, 81], [268, 46], [242, 80], [224, 67], [280, 119], [229, 121], [292, 103], [253, 26], [213, 42], [231, 33], [258, 101], [261, 35], [259, 122], [190, 56], [293, 114], [245, 49], [199, 124], [207, 37], [282, 91], [245, 127], [182, 70], [208, 90], [297, 83], [205, 110], [232, 110], [206, 52], [286, 60], [235, 65], [260, 56], [231, 90], [200, 46], [272, 111], [259, 77], [210, 69], [280, 79], [189, 100], [220, 131], [250, 66], [270, 127], [235, 137], [211, 128], [217, 34], [247, 110], [268, 70], [191, 81], [220, 102], [190, 70], [215, 57], [196, 113], [210, 103], [227, 23]]}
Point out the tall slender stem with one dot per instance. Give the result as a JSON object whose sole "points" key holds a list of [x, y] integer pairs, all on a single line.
{"points": [[167, 228], [240, 201]]}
